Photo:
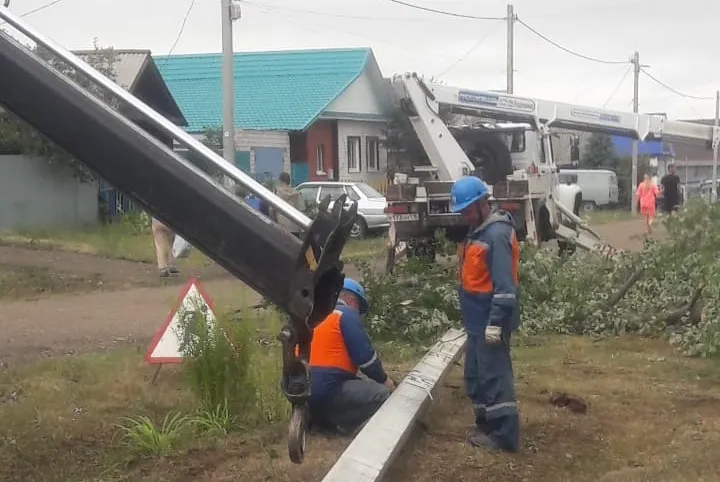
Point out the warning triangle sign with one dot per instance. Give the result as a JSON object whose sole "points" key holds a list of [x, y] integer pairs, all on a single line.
{"points": [[165, 345]]}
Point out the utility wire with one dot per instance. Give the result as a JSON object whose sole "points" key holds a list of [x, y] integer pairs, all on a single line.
{"points": [[674, 91], [41, 7], [335, 15], [443, 12], [470, 51], [182, 27], [617, 87], [567, 50]]}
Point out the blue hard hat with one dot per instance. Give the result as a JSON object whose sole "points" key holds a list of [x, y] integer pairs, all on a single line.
{"points": [[466, 191], [356, 288]]}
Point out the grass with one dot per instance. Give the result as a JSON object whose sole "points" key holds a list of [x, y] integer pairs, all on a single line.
{"points": [[606, 216], [653, 416], [121, 241], [28, 282], [99, 417]]}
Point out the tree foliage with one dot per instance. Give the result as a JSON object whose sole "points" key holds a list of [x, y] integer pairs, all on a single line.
{"points": [[18, 137], [573, 295]]}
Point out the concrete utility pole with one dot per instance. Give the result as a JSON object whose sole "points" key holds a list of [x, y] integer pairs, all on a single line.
{"points": [[230, 12], [510, 47], [713, 194], [636, 105]]}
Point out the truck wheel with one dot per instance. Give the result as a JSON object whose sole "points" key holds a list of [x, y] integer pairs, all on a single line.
{"points": [[492, 160], [359, 229], [423, 250], [588, 206]]}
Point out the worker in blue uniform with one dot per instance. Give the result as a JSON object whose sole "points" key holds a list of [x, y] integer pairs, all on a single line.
{"points": [[488, 286], [341, 400]]}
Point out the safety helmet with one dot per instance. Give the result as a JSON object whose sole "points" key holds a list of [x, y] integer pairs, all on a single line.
{"points": [[356, 288], [466, 191]]}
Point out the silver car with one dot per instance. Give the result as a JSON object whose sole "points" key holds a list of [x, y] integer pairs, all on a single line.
{"points": [[371, 204]]}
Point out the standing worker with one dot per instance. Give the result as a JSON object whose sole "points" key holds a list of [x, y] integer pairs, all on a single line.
{"points": [[340, 401], [291, 196], [163, 237], [670, 183], [488, 280]]}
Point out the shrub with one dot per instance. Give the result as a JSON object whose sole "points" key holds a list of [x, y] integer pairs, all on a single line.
{"points": [[574, 295]]}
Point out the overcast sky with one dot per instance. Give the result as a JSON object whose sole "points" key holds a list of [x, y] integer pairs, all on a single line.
{"points": [[674, 37]]}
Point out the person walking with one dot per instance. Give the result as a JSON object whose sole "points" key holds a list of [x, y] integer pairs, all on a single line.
{"points": [[488, 262], [163, 238], [670, 185], [647, 193]]}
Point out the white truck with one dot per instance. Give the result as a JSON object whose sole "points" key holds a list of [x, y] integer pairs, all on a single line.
{"points": [[599, 186], [510, 148]]}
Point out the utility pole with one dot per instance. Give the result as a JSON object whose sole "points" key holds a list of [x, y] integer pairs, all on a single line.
{"points": [[230, 12], [636, 106], [713, 194], [510, 47]]}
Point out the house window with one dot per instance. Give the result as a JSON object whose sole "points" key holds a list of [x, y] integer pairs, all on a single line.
{"points": [[320, 158], [353, 154], [373, 154]]}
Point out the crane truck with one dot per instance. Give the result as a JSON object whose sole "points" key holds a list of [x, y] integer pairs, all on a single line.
{"points": [[508, 144], [303, 277]]}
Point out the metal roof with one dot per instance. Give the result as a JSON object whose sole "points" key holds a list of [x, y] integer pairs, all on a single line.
{"points": [[275, 90], [128, 64]]}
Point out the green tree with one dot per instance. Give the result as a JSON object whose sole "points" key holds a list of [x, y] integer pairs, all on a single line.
{"points": [[599, 153], [18, 137]]}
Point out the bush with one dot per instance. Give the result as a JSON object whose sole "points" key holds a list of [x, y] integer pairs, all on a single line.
{"points": [[575, 295]]}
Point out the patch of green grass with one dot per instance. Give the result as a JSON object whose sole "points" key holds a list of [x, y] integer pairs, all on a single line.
{"points": [[117, 240], [369, 247], [606, 216], [24, 282]]}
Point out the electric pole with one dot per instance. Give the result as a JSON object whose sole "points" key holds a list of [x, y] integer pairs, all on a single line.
{"points": [[230, 12], [636, 104], [713, 194], [510, 47]]}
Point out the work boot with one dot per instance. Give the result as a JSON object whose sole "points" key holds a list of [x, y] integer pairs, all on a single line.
{"points": [[479, 439], [164, 273]]}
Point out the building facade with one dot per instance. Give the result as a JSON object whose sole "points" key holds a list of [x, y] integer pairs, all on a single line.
{"points": [[317, 114]]}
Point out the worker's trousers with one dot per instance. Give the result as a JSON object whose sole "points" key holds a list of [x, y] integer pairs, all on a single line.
{"points": [[356, 401], [163, 238], [490, 386]]}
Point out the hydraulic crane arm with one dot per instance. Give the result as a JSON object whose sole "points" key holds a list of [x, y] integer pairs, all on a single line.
{"points": [[421, 101], [303, 278], [545, 114]]}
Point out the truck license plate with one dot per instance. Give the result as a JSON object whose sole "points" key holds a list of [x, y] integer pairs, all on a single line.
{"points": [[405, 217]]}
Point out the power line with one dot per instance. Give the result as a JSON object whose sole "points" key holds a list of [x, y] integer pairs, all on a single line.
{"points": [[41, 7], [335, 15], [674, 91], [182, 27], [470, 51], [567, 50], [617, 87], [442, 12]]}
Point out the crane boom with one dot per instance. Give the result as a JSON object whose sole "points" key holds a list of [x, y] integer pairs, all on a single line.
{"points": [[302, 277]]}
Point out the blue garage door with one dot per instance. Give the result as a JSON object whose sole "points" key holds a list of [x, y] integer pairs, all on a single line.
{"points": [[268, 163]]}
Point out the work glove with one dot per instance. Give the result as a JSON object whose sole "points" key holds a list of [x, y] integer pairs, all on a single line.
{"points": [[493, 334]]}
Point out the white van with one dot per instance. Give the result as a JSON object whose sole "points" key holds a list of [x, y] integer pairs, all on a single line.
{"points": [[599, 186]]}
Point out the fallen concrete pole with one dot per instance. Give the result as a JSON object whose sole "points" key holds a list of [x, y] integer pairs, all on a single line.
{"points": [[375, 448]]}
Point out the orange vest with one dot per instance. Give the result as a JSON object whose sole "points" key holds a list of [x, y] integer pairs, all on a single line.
{"points": [[328, 346], [473, 271]]}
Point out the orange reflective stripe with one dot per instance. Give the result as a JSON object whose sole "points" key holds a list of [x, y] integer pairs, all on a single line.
{"points": [[328, 346], [515, 259], [475, 275]]}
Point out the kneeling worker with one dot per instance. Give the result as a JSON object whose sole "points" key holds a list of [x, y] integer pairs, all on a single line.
{"points": [[340, 400], [488, 278]]}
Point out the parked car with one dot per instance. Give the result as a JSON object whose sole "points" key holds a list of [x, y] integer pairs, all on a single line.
{"points": [[371, 204], [599, 186]]}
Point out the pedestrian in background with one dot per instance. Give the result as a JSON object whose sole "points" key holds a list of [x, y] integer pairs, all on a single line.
{"points": [[164, 237], [671, 190], [291, 196], [647, 193]]}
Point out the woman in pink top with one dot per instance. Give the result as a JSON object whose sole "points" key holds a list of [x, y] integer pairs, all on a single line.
{"points": [[647, 192]]}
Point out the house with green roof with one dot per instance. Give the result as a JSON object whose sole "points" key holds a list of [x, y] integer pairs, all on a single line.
{"points": [[318, 114]]}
